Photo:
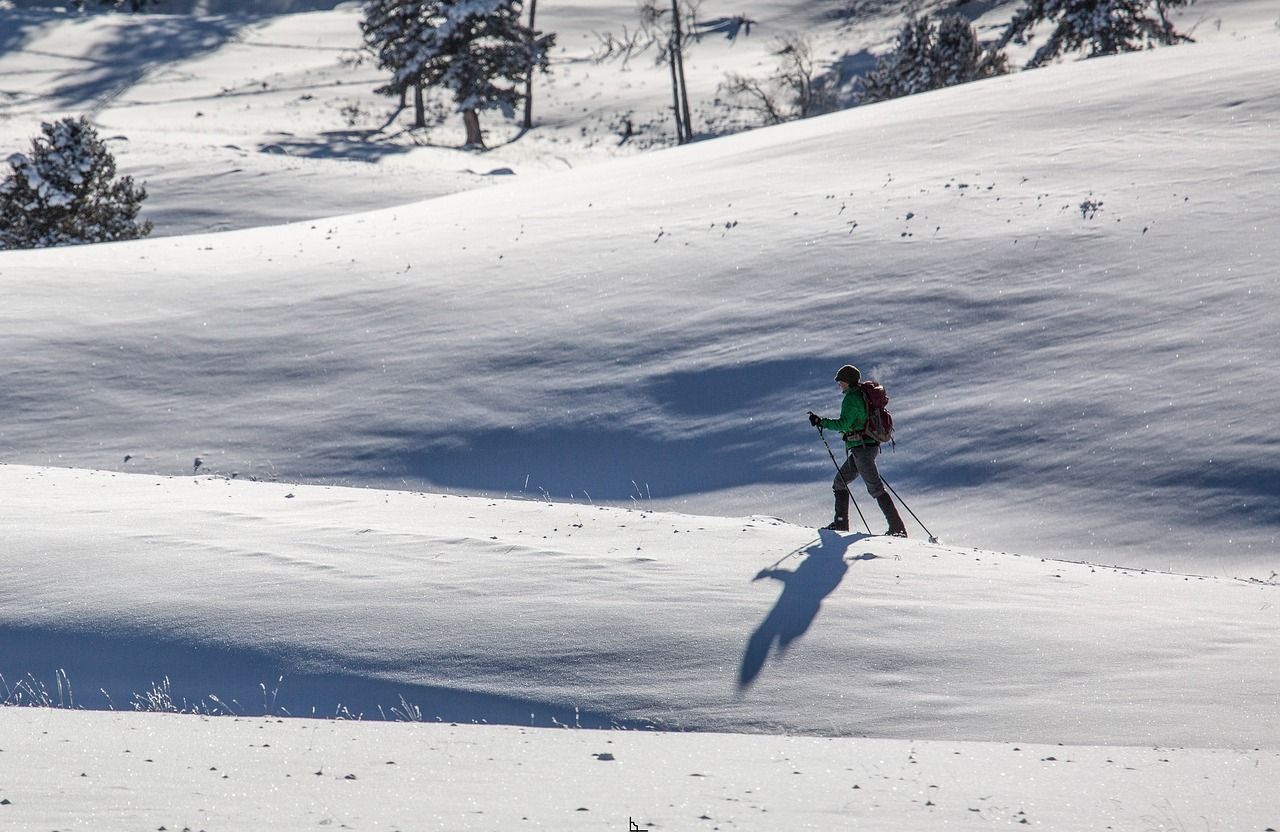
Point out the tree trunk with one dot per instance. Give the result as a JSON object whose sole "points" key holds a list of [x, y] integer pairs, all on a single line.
{"points": [[684, 99], [419, 109], [675, 94], [683, 105], [528, 82], [471, 119]]}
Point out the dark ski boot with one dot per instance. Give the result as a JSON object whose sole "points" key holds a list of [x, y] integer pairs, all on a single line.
{"points": [[896, 526], [841, 522]]}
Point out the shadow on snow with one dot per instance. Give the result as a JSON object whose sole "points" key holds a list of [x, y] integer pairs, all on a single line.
{"points": [[714, 429], [110, 69], [350, 145], [803, 591], [103, 672]]}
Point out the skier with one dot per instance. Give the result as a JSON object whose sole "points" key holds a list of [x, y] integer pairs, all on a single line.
{"points": [[861, 452]]}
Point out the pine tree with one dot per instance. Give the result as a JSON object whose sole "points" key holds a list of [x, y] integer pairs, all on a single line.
{"points": [[959, 57], [477, 49], [1100, 27], [930, 57], [389, 27], [66, 192]]}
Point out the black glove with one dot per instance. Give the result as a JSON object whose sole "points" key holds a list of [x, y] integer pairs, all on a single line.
{"points": [[814, 419]]}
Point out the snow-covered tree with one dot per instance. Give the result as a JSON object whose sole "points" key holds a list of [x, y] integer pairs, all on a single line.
{"points": [[387, 27], [929, 57], [66, 192], [1098, 27], [477, 49]]}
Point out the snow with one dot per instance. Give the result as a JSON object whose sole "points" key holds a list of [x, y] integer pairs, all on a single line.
{"points": [[677, 318], [242, 583], [531, 449], [304, 774], [50, 193]]}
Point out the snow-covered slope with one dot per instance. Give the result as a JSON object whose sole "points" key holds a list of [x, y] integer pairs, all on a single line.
{"points": [[1062, 276], [254, 113], [142, 771], [527, 612], [996, 688], [1067, 382]]}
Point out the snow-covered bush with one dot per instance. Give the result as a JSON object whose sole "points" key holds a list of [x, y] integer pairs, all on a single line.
{"points": [[1100, 27], [929, 57], [477, 49], [66, 192]]}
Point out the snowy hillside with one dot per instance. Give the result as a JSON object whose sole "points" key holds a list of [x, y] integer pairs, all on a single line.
{"points": [[377, 429], [527, 611], [257, 112], [239, 598], [1067, 296]]}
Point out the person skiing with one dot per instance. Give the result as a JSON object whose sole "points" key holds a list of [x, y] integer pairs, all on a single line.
{"points": [[860, 455]]}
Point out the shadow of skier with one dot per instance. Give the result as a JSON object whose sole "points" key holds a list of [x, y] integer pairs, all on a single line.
{"points": [[803, 590]]}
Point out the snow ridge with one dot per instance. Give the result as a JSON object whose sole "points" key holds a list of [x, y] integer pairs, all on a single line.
{"points": [[537, 613]]}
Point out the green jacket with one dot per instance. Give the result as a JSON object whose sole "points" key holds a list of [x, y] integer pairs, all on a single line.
{"points": [[852, 421]]}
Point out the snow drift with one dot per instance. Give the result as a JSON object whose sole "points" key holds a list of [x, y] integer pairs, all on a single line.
{"points": [[527, 612]]}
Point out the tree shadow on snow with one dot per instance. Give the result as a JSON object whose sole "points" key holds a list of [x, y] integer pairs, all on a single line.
{"points": [[19, 27], [851, 66], [138, 47], [803, 591], [350, 145]]}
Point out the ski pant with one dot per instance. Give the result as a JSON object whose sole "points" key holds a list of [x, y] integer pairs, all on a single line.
{"points": [[861, 462]]}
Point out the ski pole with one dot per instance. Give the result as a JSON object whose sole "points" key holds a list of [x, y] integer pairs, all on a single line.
{"points": [[932, 537], [822, 435]]}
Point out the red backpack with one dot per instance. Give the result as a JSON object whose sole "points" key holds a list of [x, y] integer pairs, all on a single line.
{"points": [[879, 422]]}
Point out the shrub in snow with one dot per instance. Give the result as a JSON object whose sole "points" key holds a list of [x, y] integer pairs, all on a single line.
{"points": [[930, 57], [477, 49], [133, 5], [67, 192], [1102, 27], [795, 90]]}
